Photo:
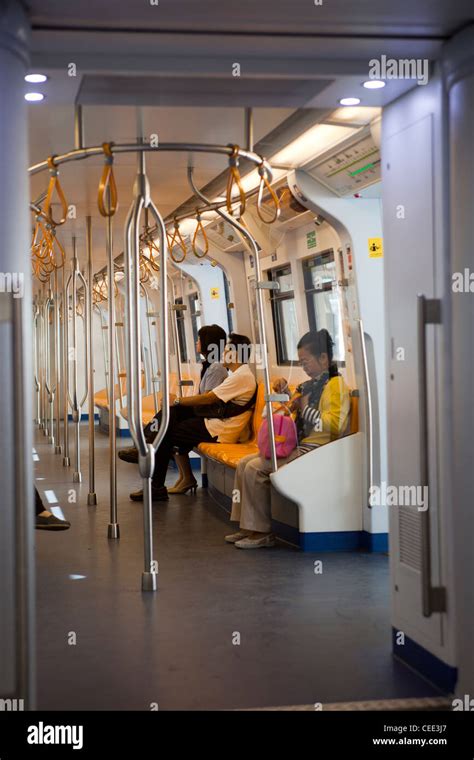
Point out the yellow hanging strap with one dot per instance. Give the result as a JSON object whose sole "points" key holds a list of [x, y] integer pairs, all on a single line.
{"points": [[107, 205], [177, 238], [200, 229], [233, 178], [265, 185], [52, 255], [54, 184]]}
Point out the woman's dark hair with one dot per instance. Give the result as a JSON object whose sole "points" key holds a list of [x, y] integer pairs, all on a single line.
{"points": [[319, 342], [212, 338]]}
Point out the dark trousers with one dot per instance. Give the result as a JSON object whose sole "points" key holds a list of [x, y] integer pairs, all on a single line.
{"points": [[185, 431], [39, 506]]}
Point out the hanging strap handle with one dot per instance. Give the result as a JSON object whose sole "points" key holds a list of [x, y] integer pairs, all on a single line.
{"points": [[107, 182], [177, 238], [54, 184], [200, 229], [233, 178], [265, 185]]}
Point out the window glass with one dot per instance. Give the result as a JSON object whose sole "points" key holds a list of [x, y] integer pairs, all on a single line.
{"points": [[285, 325], [322, 299]]}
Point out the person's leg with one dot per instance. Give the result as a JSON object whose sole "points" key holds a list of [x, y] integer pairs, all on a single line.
{"points": [[256, 507], [186, 478], [232, 538], [39, 506], [45, 520], [184, 435], [255, 512], [176, 414]]}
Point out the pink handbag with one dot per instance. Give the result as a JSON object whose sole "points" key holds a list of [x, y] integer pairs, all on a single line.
{"points": [[286, 438]]}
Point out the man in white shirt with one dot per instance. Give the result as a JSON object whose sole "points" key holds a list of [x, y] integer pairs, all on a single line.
{"points": [[189, 423]]}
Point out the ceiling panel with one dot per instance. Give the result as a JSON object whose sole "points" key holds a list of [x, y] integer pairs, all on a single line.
{"points": [[404, 17]]}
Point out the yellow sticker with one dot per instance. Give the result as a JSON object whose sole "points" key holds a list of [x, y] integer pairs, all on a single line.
{"points": [[214, 292], [375, 248]]}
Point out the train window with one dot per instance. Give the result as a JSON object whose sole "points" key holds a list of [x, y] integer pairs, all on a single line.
{"points": [[322, 301], [285, 325], [195, 318]]}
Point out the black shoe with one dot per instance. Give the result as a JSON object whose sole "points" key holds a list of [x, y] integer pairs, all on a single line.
{"points": [[129, 455], [51, 523], [157, 494]]}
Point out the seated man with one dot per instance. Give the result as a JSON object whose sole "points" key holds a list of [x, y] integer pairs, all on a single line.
{"points": [[322, 414], [221, 415]]}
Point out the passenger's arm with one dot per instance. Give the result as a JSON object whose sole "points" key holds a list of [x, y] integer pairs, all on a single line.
{"points": [[331, 416], [202, 399]]}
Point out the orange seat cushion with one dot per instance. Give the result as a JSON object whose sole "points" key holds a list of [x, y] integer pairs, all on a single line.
{"points": [[354, 415]]}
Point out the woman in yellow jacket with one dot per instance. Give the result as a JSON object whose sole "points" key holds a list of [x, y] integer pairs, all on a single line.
{"points": [[322, 406]]}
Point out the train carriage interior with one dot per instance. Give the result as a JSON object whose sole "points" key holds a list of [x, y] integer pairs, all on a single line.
{"points": [[180, 165]]}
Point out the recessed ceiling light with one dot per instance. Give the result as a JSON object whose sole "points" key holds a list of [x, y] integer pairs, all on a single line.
{"points": [[374, 84], [36, 78], [349, 101], [34, 97]]}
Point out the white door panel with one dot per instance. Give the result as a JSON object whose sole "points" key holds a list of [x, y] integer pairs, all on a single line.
{"points": [[408, 219]]}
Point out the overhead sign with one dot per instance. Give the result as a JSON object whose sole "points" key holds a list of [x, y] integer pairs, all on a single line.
{"points": [[375, 248]]}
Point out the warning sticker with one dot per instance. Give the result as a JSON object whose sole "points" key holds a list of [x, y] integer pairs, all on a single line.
{"points": [[214, 292], [375, 248]]}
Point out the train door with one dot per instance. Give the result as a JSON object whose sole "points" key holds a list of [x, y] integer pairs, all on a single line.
{"points": [[414, 283]]}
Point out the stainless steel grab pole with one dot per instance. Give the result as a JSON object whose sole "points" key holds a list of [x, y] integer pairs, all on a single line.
{"points": [[91, 496], [65, 365], [36, 364], [370, 416], [113, 530], [269, 396], [76, 405], [153, 368], [48, 383], [57, 363], [44, 399], [105, 350], [146, 452]]}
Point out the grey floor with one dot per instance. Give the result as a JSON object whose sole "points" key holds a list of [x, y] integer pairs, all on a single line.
{"points": [[304, 638]]}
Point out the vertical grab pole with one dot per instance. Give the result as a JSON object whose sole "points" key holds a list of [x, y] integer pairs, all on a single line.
{"points": [[44, 366], [146, 452], [48, 380], [76, 476], [75, 403], [113, 530], [57, 362], [36, 364], [154, 370], [260, 312], [65, 383], [91, 496]]}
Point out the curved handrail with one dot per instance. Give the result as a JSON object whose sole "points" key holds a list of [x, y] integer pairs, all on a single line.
{"points": [[260, 311]]}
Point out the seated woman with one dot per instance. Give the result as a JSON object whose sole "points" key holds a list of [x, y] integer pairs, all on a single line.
{"points": [[210, 344], [219, 416], [322, 407]]}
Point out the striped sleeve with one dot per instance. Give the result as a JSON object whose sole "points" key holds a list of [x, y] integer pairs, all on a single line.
{"points": [[312, 416]]}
